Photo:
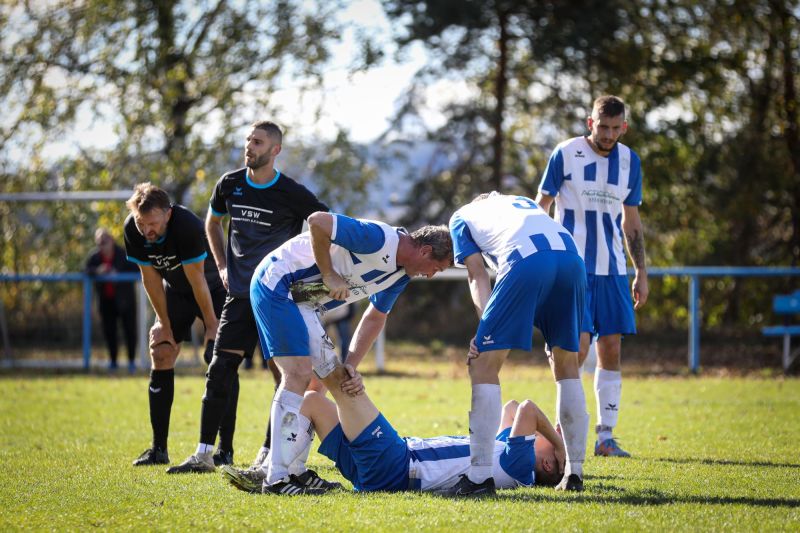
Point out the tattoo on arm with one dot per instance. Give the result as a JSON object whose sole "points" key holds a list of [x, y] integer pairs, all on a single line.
{"points": [[635, 240]]}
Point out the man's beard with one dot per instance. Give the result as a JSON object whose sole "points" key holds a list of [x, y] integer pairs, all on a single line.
{"points": [[258, 162]]}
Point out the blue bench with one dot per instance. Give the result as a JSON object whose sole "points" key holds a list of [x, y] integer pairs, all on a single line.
{"points": [[786, 304]]}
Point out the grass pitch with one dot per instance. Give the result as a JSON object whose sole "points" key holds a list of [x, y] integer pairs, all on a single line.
{"points": [[709, 454]]}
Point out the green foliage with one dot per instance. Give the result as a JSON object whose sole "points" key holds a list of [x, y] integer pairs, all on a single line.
{"points": [[707, 456]]}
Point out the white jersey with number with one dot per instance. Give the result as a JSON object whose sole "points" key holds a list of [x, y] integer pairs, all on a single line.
{"points": [[505, 229]]}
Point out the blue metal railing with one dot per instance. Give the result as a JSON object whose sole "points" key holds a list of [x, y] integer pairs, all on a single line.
{"points": [[87, 281], [694, 274]]}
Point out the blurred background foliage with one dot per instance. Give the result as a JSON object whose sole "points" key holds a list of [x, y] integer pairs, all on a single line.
{"points": [[712, 90]]}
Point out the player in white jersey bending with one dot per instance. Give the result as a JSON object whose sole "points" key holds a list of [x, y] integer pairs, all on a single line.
{"points": [[369, 453], [355, 259], [596, 182], [541, 281]]}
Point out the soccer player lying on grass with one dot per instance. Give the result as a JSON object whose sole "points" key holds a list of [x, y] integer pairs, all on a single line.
{"points": [[354, 259], [369, 453]]}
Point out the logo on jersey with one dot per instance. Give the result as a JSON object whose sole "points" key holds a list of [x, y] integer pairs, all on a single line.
{"points": [[612, 407], [579, 153], [377, 433], [596, 196], [238, 191], [487, 339]]}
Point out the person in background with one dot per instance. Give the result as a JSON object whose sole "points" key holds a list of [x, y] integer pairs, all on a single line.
{"points": [[116, 302]]}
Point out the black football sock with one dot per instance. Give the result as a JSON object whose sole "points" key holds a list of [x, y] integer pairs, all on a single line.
{"points": [[161, 391], [228, 425]]}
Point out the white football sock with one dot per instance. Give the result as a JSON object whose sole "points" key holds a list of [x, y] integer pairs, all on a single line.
{"points": [[302, 447], [484, 419], [571, 405], [608, 392], [204, 449], [285, 429]]}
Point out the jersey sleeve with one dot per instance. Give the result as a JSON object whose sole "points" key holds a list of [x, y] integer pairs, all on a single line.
{"points": [[519, 458], [553, 174], [384, 300], [133, 250], [634, 197], [358, 236], [217, 202], [463, 243], [191, 239], [306, 202]]}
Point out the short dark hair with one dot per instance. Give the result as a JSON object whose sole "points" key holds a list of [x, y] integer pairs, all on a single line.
{"points": [[547, 479], [609, 106], [147, 197], [438, 238], [272, 129]]}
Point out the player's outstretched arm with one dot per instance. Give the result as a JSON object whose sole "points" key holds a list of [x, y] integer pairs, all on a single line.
{"points": [[320, 226], [368, 329]]}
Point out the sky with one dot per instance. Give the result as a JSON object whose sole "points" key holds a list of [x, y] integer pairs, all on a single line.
{"points": [[360, 103]]}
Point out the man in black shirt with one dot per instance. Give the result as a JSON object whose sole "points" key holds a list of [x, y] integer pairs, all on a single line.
{"points": [[168, 243], [266, 209]]}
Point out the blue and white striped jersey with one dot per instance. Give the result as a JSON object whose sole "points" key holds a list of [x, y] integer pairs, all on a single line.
{"points": [[590, 191], [363, 252], [436, 463], [505, 229]]}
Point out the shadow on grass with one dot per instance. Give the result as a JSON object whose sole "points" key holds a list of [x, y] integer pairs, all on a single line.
{"points": [[611, 494], [725, 462]]}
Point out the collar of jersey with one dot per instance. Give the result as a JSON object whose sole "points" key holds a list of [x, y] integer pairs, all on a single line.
{"points": [[160, 240], [264, 186]]}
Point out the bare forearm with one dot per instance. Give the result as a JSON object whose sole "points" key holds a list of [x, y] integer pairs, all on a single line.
{"points": [[216, 240], [154, 288], [321, 247], [202, 295], [367, 331], [634, 238]]}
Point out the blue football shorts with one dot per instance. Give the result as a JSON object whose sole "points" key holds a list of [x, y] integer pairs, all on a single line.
{"points": [[377, 460], [609, 306], [546, 290]]}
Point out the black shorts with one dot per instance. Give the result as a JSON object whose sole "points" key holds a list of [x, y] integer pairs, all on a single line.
{"points": [[182, 310], [237, 327]]}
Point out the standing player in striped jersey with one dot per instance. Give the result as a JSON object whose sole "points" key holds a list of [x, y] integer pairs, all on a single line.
{"points": [[266, 209], [369, 453], [541, 281], [596, 182], [355, 259]]}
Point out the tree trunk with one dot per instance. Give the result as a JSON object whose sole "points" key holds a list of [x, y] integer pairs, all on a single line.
{"points": [[500, 95]]}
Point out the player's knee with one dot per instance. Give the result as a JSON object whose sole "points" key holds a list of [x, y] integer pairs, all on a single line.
{"points": [[511, 405], [527, 409], [298, 377], [221, 374], [163, 354]]}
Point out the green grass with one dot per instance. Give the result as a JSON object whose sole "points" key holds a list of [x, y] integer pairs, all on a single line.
{"points": [[709, 454]]}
